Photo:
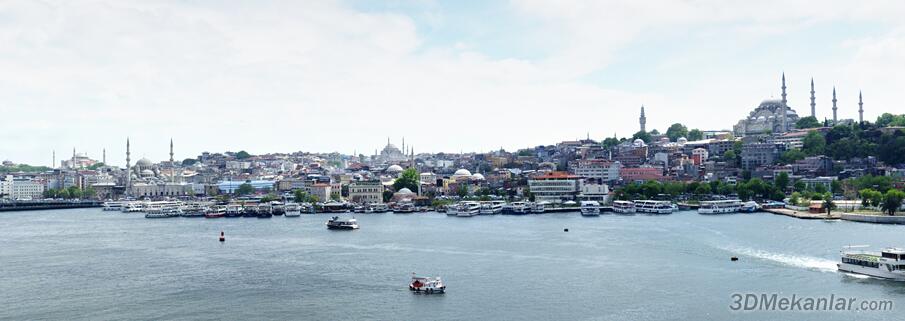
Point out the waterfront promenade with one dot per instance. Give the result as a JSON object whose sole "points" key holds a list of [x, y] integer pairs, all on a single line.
{"points": [[46, 205]]}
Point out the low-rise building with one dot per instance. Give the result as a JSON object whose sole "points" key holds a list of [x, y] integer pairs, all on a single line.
{"points": [[601, 170], [366, 192], [641, 174], [554, 187]]}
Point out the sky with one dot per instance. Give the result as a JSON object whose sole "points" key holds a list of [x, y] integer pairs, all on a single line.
{"points": [[325, 76]]}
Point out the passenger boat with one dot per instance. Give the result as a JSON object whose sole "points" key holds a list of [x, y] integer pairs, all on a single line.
{"points": [[335, 207], [749, 207], [292, 209], [216, 212], [516, 208], [539, 208], [654, 207], [277, 208], [265, 211], [428, 285], [250, 210], [380, 208], [623, 207], [491, 207], [404, 208], [233, 210], [886, 264], [452, 209], [113, 206], [336, 223], [720, 207], [468, 209], [133, 207], [359, 209], [590, 208], [306, 208]]}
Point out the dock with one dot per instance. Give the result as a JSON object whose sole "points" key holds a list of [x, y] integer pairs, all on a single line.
{"points": [[805, 215]]}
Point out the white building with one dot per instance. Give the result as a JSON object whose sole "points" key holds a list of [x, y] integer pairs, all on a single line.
{"points": [[599, 169], [20, 189], [554, 187], [594, 192], [366, 192]]}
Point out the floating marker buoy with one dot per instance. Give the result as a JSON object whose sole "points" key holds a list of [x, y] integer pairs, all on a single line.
{"points": [[565, 230], [733, 259], [222, 237]]}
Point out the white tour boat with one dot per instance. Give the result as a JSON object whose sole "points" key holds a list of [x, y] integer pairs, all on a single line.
{"points": [[468, 209], [623, 207], [113, 206], [654, 207], [492, 207], [590, 208], [886, 264], [720, 207], [427, 285], [539, 208], [336, 223]]}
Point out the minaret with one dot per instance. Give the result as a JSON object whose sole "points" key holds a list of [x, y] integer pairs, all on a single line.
{"points": [[834, 106], [72, 165], [171, 153], [643, 120], [784, 104], [104, 159], [54, 164], [403, 144], [128, 169], [813, 104], [860, 108]]}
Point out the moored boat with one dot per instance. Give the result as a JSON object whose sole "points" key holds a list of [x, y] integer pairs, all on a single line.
{"points": [[624, 207], [654, 207], [720, 207], [216, 212], [590, 208], [468, 209]]}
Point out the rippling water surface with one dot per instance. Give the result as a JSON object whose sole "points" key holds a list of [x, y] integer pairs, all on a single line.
{"points": [[90, 264]]}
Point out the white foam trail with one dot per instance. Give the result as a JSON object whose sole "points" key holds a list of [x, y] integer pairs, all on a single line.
{"points": [[806, 262]]}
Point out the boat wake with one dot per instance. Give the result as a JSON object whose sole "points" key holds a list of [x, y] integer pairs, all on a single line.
{"points": [[806, 262]]}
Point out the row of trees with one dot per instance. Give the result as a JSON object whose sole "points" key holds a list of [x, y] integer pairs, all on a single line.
{"points": [[888, 202], [844, 142], [71, 192], [674, 132], [745, 190]]}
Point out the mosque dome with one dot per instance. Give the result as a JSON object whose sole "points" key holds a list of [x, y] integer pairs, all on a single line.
{"points": [[477, 177], [682, 140], [144, 162], [462, 172], [147, 172], [405, 190], [638, 142], [394, 169]]}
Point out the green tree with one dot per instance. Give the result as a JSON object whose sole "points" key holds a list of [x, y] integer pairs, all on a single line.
{"points": [[242, 155], [387, 196], [828, 204], [820, 188], [189, 162], [642, 136], [462, 190], [245, 189], [808, 122], [799, 186], [695, 134], [791, 156], [675, 131], [892, 201], [814, 144], [892, 148], [408, 179], [888, 119], [729, 156], [782, 181], [269, 198], [703, 189], [870, 197], [795, 198]]}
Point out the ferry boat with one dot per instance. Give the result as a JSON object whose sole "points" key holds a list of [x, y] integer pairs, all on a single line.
{"points": [[623, 207], [216, 212], [468, 209], [250, 210], [359, 209], [292, 209], [380, 208], [404, 208], [539, 208], [133, 207], [335, 223], [886, 264], [654, 207], [427, 285], [265, 211], [335, 207], [452, 209], [749, 207], [277, 208], [113, 206], [492, 207], [233, 210], [306, 208], [720, 207], [517, 208], [590, 208]]}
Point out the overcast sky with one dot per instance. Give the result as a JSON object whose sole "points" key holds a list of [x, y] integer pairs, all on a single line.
{"points": [[459, 75]]}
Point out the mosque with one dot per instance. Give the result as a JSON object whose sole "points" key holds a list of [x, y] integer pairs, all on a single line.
{"points": [[147, 179], [771, 116], [391, 153]]}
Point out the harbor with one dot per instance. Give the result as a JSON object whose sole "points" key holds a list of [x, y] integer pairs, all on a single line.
{"points": [[107, 263]]}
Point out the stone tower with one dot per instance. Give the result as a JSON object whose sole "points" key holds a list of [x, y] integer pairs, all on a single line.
{"points": [[643, 120], [813, 99], [860, 108], [785, 105], [128, 169], [834, 106]]}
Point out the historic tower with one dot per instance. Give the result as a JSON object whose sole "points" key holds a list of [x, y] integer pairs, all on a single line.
{"points": [[643, 120], [813, 104], [834, 106], [784, 105], [128, 169], [860, 108], [171, 153]]}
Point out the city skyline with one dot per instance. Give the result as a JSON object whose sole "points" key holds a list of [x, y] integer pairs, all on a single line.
{"points": [[342, 76]]}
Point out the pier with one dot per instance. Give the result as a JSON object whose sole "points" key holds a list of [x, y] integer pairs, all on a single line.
{"points": [[804, 214], [46, 205]]}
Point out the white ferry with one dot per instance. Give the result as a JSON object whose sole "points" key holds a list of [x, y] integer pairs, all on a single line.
{"points": [[590, 208], [336, 223], [234, 210], [887, 264], [468, 209], [654, 207], [623, 207], [133, 207], [292, 209], [720, 207], [749, 207], [492, 207], [427, 285], [539, 208], [113, 206], [380, 208], [452, 209], [517, 208]]}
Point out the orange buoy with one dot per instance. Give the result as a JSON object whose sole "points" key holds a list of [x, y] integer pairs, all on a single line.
{"points": [[222, 237]]}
